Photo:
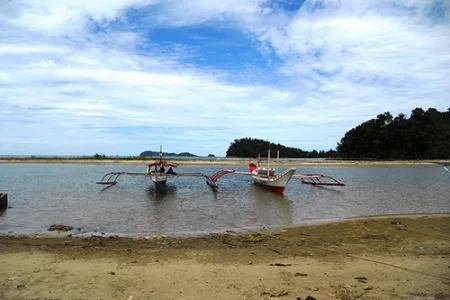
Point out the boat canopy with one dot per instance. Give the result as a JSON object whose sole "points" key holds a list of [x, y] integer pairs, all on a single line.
{"points": [[162, 163]]}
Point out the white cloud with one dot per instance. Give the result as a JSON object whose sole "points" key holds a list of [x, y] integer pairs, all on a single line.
{"points": [[338, 65], [194, 12], [11, 49], [62, 17], [365, 52]]}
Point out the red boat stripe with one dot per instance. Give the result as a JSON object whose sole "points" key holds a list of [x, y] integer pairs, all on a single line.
{"points": [[277, 189]]}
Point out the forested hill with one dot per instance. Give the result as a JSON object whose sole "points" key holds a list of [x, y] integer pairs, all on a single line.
{"points": [[248, 147], [424, 135]]}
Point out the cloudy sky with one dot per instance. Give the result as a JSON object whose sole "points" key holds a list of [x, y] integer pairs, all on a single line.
{"points": [[122, 76]]}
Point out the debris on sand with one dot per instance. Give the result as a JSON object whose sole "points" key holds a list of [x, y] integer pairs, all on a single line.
{"points": [[281, 265], [56, 227], [361, 278], [252, 239], [275, 293], [276, 251]]}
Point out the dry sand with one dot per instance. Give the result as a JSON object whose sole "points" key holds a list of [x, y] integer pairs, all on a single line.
{"points": [[384, 258], [231, 162]]}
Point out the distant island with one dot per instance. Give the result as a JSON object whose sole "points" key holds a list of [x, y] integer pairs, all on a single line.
{"points": [[156, 153], [211, 155]]}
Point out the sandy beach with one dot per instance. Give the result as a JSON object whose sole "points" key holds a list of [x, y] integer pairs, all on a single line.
{"points": [[374, 258], [227, 161]]}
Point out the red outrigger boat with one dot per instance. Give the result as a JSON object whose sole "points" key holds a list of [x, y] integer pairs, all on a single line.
{"points": [[270, 179]]}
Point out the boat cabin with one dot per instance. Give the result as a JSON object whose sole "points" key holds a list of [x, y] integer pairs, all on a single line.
{"points": [[264, 171]]}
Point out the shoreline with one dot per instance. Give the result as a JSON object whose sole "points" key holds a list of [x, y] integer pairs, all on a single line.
{"points": [[241, 231], [371, 258], [219, 161]]}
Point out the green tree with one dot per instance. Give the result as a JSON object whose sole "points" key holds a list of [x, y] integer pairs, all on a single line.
{"points": [[425, 135]]}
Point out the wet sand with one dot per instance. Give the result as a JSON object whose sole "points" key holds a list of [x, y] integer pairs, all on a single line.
{"points": [[231, 162], [373, 258]]}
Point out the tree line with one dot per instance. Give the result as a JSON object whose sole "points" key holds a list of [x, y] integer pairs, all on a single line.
{"points": [[250, 147], [424, 135]]}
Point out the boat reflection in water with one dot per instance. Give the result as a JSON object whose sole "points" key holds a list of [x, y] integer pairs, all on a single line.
{"points": [[160, 191], [273, 208]]}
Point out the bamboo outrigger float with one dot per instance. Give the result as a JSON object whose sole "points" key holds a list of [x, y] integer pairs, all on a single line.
{"points": [[266, 176]]}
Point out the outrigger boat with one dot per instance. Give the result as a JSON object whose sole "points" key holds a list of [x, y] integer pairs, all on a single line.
{"points": [[271, 179], [159, 175], [267, 177]]}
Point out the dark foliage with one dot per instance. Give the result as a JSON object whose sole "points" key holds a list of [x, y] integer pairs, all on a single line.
{"points": [[248, 147], [424, 135], [99, 156]]}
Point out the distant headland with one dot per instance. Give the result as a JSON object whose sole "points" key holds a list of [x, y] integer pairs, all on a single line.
{"points": [[156, 153]]}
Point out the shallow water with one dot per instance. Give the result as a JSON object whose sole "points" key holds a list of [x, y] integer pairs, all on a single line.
{"points": [[45, 194]]}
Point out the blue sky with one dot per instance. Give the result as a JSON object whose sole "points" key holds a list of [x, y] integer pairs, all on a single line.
{"points": [[123, 76]]}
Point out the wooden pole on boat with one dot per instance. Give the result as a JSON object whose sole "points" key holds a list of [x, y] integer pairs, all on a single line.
{"points": [[278, 157], [268, 162], [3, 201]]}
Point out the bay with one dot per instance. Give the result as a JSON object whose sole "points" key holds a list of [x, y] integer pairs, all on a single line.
{"points": [[44, 194]]}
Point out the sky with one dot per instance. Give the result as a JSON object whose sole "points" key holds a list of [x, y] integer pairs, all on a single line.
{"points": [[122, 76]]}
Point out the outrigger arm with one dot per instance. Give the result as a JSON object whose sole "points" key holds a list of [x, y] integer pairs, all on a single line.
{"points": [[111, 178], [313, 179], [318, 179]]}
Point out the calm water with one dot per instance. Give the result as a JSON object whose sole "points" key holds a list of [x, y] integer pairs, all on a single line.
{"points": [[41, 195]]}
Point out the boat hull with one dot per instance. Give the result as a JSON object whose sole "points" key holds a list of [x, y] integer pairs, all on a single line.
{"points": [[159, 180], [274, 183]]}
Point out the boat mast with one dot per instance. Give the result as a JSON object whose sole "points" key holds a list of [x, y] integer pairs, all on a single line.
{"points": [[160, 154], [268, 162], [278, 157]]}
